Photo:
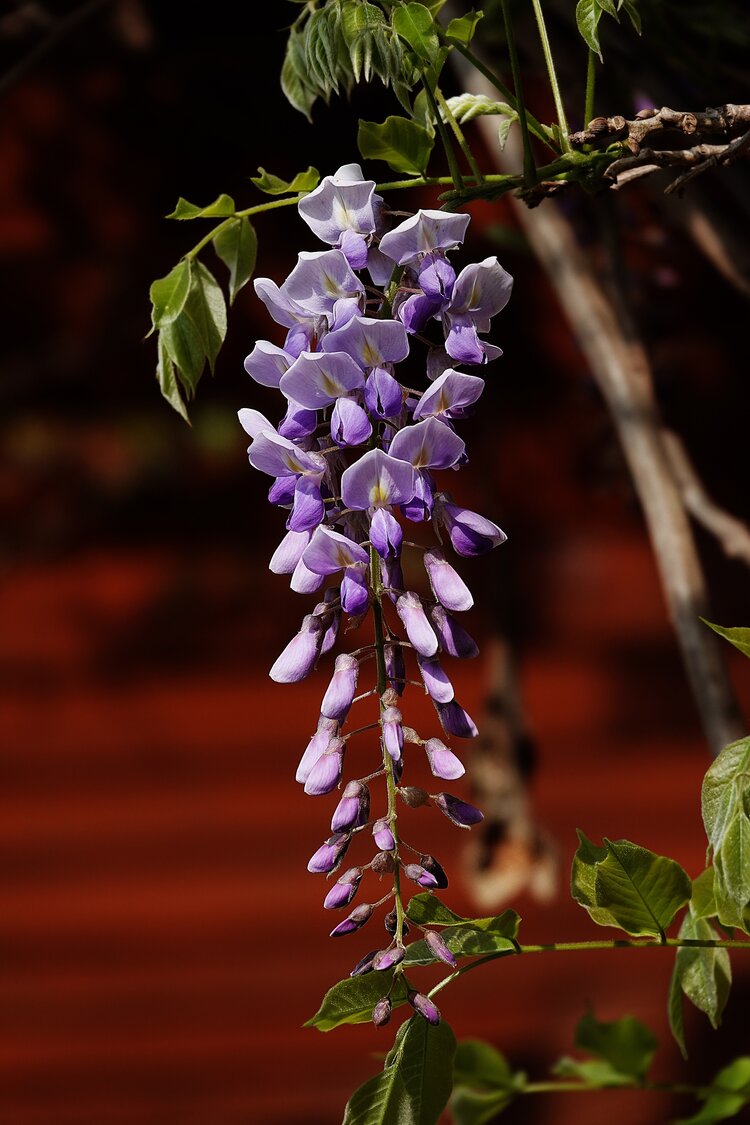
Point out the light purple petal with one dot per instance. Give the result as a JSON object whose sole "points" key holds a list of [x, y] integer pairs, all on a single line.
{"points": [[298, 658], [482, 289], [337, 205], [382, 835], [370, 342], [393, 732], [462, 343], [326, 773], [308, 509], [454, 720], [280, 457], [281, 491], [298, 423], [319, 279], [416, 310], [349, 423], [377, 480], [443, 762], [470, 534], [428, 445], [316, 379], [304, 581], [379, 265], [327, 729], [354, 248], [267, 363], [451, 392], [383, 394], [422, 233], [355, 596], [435, 680], [453, 637], [330, 854], [289, 552], [437, 278], [447, 585], [418, 629], [386, 535], [282, 309], [353, 809], [254, 423], [419, 508], [330, 551]]}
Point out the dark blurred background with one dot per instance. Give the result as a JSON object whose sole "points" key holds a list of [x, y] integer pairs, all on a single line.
{"points": [[161, 942]]}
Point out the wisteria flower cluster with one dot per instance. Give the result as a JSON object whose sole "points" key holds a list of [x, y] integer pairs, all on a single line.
{"points": [[353, 460]]}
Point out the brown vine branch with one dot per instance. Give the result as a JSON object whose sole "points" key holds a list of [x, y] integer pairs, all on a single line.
{"points": [[650, 123], [697, 159]]}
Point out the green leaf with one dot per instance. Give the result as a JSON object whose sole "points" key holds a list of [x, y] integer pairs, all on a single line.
{"points": [[596, 1073], [165, 374], [729, 1094], [295, 82], [220, 208], [426, 909], [588, 14], [738, 637], [168, 294], [676, 1014], [634, 15], [206, 308], [627, 886], [703, 901], [352, 1000], [237, 246], [465, 107], [475, 1107], [415, 25], [477, 1064], [725, 801], [185, 348], [608, 6], [364, 30], [463, 27], [416, 1080], [402, 144], [274, 185], [626, 1044], [703, 974]]}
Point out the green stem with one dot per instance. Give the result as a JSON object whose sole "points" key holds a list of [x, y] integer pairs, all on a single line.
{"points": [[390, 780], [562, 120], [583, 1088], [588, 109], [458, 134], [529, 165], [445, 139], [584, 946], [540, 131]]}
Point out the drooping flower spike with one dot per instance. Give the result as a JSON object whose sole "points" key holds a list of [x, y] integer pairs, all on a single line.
{"points": [[356, 456]]}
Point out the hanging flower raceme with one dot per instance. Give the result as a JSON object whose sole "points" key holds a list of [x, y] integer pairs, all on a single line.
{"points": [[354, 459]]}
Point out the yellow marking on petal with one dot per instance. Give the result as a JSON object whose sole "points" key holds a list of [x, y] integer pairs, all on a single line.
{"points": [[379, 494], [422, 459], [442, 403], [291, 462], [330, 386], [330, 285], [370, 355]]}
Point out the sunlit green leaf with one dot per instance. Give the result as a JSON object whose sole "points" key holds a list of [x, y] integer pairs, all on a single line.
{"points": [[415, 1084], [237, 246], [627, 886], [185, 348], [479, 1064], [352, 1000], [463, 27], [402, 144], [588, 14], [205, 306], [725, 802], [703, 901], [729, 1094], [295, 83], [414, 24], [168, 294], [165, 374], [219, 209], [274, 185], [739, 637], [704, 974], [608, 6]]}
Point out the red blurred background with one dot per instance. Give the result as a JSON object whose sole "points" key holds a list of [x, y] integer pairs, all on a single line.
{"points": [[161, 941]]}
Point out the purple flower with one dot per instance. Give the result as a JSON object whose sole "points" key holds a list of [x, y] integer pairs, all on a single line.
{"points": [[395, 668], [329, 551], [453, 637], [330, 854], [289, 552], [307, 508], [254, 423], [381, 1013], [470, 534], [454, 720], [354, 922], [460, 812], [353, 809], [443, 762], [418, 629], [326, 773], [298, 658], [267, 363], [436, 682], [382, 835], [391, 923], [386, 535], [383, 395], [424, 1006], [438, 947], [349, 423], [279, 457], [327, 730], [450, 396], [320, 280], [343, 891], [316, 379], [431, 864], [377, 480], [387, 958], [341, 205], [419, 875], [447, 586], [481, 291], [342, 688], [370, 342], [393, 732], [423, 233], [428, 445], [364, 965]]}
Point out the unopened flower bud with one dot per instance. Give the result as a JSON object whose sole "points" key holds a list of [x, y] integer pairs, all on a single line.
{"points": [[438, 947], [383, 863], [395, 668], [329, 855], [460, 812], [298, 658], [344, 890], [354, 922], [391, 924], [424, 1006], [410, 735], [443, 762], [419, 875], [435, 680], [342, 688], [413, 796], [381, 1013], [453, 637], [393, 734], [382, 835], [454, 720], [418, 629], [448, 586], [354, 807], [389, 698], [387, 958], [431, 864], [364, 965], [327, 729], [326, 773]]}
